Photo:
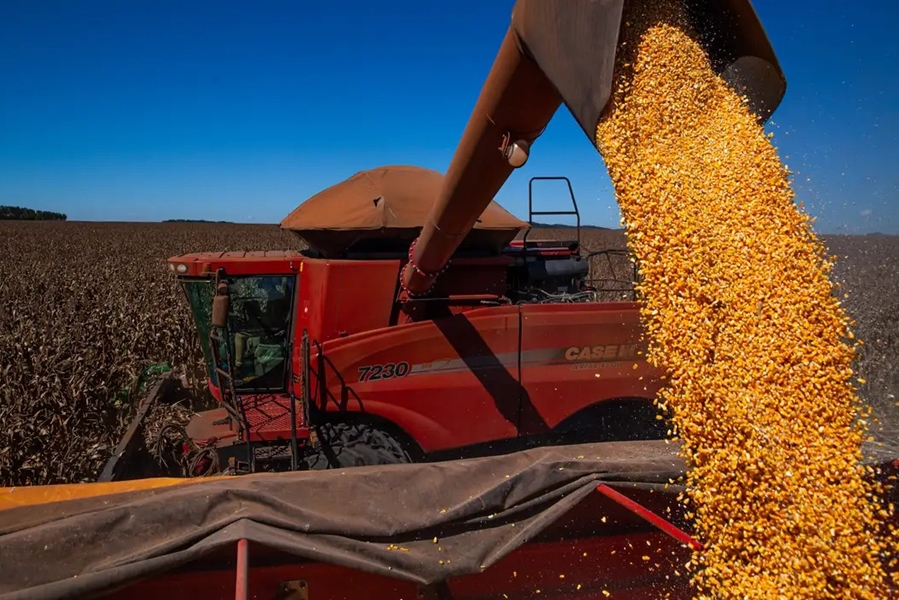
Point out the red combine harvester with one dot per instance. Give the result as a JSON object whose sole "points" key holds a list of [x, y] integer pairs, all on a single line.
{"points": [[329, 358], [414, 330]]}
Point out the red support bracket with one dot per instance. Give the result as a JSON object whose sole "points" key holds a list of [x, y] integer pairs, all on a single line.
{"points": [[240, 584], [641, 511]]}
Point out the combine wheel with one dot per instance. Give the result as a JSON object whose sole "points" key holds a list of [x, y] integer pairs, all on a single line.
{"points": [[355, 445]]}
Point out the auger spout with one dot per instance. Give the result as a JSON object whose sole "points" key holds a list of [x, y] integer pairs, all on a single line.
{"points": [[563, 51]]}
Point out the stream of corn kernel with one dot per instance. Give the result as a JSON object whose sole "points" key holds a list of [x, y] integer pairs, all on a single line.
{"points": [[740, 311]]}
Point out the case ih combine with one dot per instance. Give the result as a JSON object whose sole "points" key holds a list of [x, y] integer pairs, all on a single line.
{"points": [[348, 355], [413, 330]]}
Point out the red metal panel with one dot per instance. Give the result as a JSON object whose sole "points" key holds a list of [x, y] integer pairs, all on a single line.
{"points": [[358, 296], [448, 383], [474, 276], [574, 355], [631, 567], [346, 297], [239, 263]]}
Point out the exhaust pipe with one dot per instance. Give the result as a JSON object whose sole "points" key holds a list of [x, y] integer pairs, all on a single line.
{"points": [[563, 51]]}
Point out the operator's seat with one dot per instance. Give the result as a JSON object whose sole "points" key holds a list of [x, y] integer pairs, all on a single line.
{"points": [[267, 334]]}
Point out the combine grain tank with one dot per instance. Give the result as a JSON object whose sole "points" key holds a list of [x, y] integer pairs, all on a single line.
{"points": [[383, 210]]}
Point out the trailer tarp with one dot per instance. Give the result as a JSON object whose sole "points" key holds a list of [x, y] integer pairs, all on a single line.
{"points": [[378, 519]]}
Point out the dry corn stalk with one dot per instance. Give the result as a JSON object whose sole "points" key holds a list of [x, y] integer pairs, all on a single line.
{"points": [[739, 309], [84, 307]]}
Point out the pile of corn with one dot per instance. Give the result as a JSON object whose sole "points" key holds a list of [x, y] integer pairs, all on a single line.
{"points": [[741, 312]]}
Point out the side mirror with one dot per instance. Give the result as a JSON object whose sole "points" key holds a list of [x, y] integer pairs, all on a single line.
{"points": [[221, 303]]}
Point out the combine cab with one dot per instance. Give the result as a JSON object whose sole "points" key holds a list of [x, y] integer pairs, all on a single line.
{"points": [[452, 413]]}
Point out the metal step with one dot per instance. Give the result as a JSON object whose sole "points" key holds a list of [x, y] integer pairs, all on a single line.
{"points": [[272, 452]]}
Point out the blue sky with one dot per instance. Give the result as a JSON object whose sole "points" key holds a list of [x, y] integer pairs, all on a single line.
{"points": [[140, 110]]}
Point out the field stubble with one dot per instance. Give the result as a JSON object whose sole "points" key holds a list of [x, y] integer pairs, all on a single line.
{"points": [[85, 307]]}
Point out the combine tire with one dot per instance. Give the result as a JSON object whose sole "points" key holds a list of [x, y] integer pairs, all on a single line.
{"points": [[345, 445]]}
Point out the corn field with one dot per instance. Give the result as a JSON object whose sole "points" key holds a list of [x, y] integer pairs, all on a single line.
{"points": [[86, 307]]}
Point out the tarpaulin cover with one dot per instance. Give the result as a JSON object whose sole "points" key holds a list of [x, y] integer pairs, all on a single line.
{"points": [[481, 510], [389, 205]]}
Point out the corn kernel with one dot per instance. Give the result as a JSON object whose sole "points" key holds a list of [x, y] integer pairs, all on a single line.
{"points": [[742, 315]]}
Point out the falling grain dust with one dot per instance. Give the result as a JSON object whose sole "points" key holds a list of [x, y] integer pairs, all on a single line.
{"points": [[740, 311]]}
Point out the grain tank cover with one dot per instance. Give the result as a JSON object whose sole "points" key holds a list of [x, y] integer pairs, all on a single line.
{"points": [[384, 210]]}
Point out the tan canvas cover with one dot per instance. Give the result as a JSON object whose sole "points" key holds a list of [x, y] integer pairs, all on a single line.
{"points": [[387, 207]]}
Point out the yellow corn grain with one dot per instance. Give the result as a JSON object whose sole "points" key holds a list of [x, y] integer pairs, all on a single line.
{"points": [[741, 313]]}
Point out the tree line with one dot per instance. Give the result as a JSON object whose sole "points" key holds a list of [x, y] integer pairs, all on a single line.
{"points": [[195, 221], [18, 213]]}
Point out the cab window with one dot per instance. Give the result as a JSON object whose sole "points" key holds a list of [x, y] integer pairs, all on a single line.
{"points": [[258, 327]]}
